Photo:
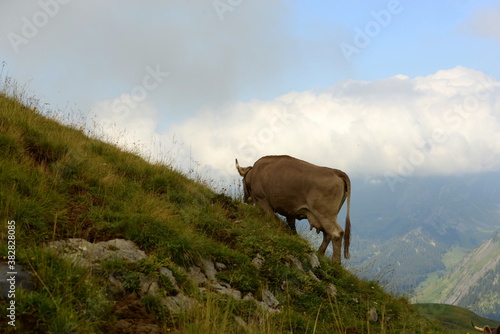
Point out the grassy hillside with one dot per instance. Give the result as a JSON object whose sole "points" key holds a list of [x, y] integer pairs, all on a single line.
{"points": [[57, 183], [455, 318]]}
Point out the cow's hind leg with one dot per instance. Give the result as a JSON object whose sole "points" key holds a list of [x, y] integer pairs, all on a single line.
{"points": [[335, 234], [337, 247], [324, 244], [315, 223]]}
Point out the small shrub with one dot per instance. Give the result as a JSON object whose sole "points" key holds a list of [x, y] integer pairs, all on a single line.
{"points": [[132, 282]]}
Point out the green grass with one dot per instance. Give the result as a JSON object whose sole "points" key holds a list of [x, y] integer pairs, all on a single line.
{"points": [[58, 183], [454, 256], [429, 289], [65, 294], [454, 318]]}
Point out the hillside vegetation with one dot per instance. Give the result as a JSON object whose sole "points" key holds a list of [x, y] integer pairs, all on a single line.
{"points": [[57, 183], [455, 318]]}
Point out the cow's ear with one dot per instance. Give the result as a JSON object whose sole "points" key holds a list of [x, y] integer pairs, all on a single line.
{"points": [[487, 330]]}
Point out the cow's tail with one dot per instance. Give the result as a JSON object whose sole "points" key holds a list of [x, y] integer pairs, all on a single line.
{"points": [[347, 232]]}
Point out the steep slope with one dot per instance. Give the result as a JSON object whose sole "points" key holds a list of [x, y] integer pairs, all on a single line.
{"points": [[474, 283], [57, 184]]}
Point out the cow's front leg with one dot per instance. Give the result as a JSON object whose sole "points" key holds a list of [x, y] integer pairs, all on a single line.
{"points": [[265, 207], [291, 223]]}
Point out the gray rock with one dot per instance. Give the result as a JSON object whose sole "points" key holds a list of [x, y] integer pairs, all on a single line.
{"points": [[249, 296], [209, 269], [86, 253], [197, 276], [372, 315], [331, 290], [170, 275], [314, 277], [268, 304], [72, 245], [179, 303], [220, 266], [269, 299], [297, 264], [225, 289], [148, 286], [258, 261], [314, 261], [122, 249], [115, 286]]}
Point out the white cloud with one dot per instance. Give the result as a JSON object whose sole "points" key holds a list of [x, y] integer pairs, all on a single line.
{"points": [[484, 23], [125, 122], [444, 123], [105, 47]]}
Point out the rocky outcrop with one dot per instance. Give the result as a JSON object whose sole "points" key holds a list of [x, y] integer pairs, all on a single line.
{"points": [[167, 282], [87, 253], [163, 283], [205, 277], [127, 284]]}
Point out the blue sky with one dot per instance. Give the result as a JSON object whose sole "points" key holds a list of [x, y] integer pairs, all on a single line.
{"points": [[421, 38], [225, 70]]}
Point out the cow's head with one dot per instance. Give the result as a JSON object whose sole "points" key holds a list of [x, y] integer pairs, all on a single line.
{"points": [[247, 198], [486, 329]]}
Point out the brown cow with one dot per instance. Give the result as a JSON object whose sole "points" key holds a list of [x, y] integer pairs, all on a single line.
{"points": [[486, 329], [297, 190]]}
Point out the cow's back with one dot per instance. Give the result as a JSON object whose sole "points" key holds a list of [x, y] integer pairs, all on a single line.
{"points": [[289, 184]]}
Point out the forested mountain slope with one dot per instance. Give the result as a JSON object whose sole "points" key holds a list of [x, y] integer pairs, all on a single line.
{"points": [[474, 283]]}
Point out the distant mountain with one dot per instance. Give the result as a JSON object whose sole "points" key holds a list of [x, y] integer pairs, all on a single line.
{"points": [[474, 283], [403, 262]]}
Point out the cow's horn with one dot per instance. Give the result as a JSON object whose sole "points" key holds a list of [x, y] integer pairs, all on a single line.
{"points": [[242, 170]]}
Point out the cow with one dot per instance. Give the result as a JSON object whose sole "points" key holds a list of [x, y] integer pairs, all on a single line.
{"points": [[297, 189], [486, 329]]}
